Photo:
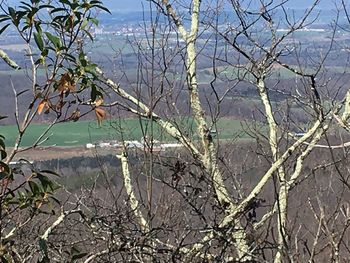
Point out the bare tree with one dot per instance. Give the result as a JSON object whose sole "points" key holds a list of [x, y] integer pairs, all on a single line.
{"points": [[196, 203], [255, 56]]}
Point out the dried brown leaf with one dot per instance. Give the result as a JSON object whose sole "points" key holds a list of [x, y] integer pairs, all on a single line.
{"points": [[98, 101], [75, 115], [100, 115], [66, 83], [43, 105]]}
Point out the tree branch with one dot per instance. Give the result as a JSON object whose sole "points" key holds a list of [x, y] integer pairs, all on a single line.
{"points": [[8, 60]]}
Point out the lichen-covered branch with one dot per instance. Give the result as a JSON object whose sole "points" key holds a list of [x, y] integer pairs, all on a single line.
{"points": [[96, 255], [8, 60], [230, 219], [273, 142], [134, 203], [209, 159], [145, 111], [295, 175], [43, 239]]}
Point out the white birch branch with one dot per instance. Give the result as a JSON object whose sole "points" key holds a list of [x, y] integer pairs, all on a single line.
{"points": [[56, 223], [209, 159], [176, 19], [8, 60], [98, 254], [134, 204], [257, 189], [166, 125], [282, 194]]}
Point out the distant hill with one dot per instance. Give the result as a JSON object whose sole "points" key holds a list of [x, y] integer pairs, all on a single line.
{"points": [[125, 5], [117, 5], [136, 5]]}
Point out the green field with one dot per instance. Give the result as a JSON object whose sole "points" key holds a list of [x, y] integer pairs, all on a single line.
{"points": [[82, 132]]}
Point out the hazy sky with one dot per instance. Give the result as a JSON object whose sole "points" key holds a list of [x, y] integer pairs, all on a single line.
{"points": [[135, 5], [129, 5]]}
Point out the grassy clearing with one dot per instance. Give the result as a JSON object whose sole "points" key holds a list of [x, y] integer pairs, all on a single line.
{"points": [[110, 45], [82, 132], [21, 72], [243, 73]]}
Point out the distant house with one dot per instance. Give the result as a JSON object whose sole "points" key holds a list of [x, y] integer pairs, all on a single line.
{"points": [[156, 146], [90, 146], [299, 134], [20, 162], [104, 144], [170, 145], [134, 144]]}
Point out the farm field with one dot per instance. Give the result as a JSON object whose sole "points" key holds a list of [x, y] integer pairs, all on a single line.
{"points": [[82, 132]]}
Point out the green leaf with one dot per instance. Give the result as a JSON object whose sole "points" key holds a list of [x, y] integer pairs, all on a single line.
{"points": [[22, 92], [2, 144], [45, 52], [54, 40], [45, 182], [39, 41], [24, 8], [12, 12], [56, 200], [26, 27], [70, 57], [34, 187], [95, 2], [64, 2], [38, 27], [84, 24], [44, 260], [43, 245], [20, 15], [48, 185], [3, 259], [73, 5], [94, 21], [3, 175], [4, 28], [78, 256], [102, 8], [26, 4], [58, 10], [82, 59], [3, 154], [50, 172], [90, 68], [95, 93], [24, 205], [4, 18], [90, 36], [46, 6], [6, 170]]}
